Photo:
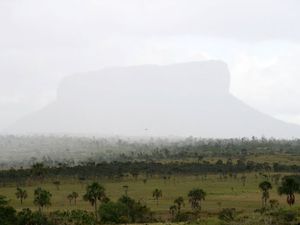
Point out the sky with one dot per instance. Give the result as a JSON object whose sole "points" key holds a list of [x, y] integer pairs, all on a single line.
{"points": [[41, 42]]}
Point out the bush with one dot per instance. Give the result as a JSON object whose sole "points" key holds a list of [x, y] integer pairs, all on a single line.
{"points": [[184, 216], [74, 217], [113, 212], [285, 216], [227, 215], [81, 217], [27, 217], [135, 210], [7, 215]]}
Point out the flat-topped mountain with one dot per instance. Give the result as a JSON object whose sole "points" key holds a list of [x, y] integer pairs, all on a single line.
{"points": [[181, 100]]}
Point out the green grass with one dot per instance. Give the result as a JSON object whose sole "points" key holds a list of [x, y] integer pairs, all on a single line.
{"points": [[220, 194]]}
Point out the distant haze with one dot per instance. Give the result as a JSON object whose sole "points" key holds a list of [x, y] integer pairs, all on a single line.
{"points": [[179, 100], [43, 42]]}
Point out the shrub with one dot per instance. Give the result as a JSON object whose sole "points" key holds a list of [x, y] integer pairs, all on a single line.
{"points": [[113, 212], [7, 215], [227, 215], [27, 217]]}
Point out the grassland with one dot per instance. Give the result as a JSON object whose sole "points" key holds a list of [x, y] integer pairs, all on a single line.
{"points": [[228, 193]]}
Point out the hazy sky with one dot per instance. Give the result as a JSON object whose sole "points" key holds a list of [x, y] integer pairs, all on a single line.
{"points": [[43, 41]]}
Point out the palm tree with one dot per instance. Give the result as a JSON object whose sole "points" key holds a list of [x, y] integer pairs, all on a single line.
{"points": [[196, 196], [135, 174], [125, 188], [38, 170], [94, 193], [289, 187], [57, 184], [42, 198], [243, 179], [265, 186], [179, 202], [173, 210], [157, 194], [75, 196], [21, 194], [70, 198]]}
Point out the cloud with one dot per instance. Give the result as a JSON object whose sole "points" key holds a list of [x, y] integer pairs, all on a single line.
{"points": [[43, 41], [69, 23], [269, 84]]}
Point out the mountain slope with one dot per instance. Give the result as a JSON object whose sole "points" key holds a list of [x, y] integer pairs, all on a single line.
{"points": [[180, 99]]}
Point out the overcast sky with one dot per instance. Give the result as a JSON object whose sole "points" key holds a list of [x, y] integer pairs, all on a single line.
{"points": [[43, 41]]}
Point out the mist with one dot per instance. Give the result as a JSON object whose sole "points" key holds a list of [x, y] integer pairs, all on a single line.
{"points": [[43, 42]]}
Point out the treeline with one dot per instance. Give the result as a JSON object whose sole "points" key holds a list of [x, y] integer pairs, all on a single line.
{"points": [[23, 151], [119, 170]]}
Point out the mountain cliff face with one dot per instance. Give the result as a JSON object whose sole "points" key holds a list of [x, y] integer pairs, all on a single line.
{"points": [[181, 100]]}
